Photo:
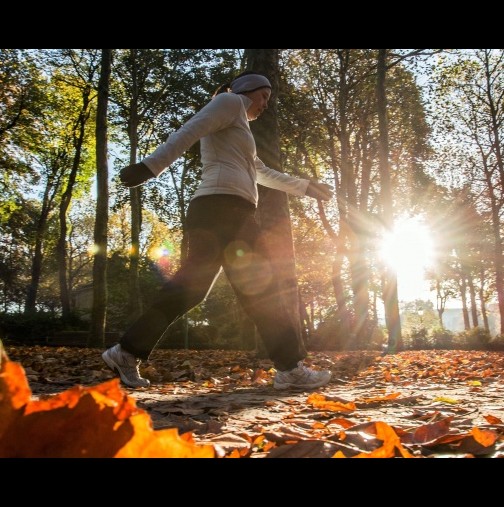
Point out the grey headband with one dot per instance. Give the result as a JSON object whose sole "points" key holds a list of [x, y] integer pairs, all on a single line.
{"points": [[248, 83]]}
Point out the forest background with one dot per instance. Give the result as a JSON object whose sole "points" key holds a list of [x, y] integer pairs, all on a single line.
{"points": [[411, 140]]}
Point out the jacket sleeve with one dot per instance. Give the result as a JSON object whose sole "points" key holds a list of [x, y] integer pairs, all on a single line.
{"points": [[218, 114], [279, 181]]}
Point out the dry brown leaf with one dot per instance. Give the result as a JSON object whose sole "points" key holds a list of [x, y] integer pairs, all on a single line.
{"points": [[234, 454], [388, 397], [429, 432], [345, 423], [469, 444], [486, 438], [492, 419], [319, 401], [391, 443], [100, 421], [446, 439], [304, 449]]}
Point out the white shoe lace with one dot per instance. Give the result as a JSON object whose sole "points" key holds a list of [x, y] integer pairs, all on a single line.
{"points": [[133, 369], [130, 364]]}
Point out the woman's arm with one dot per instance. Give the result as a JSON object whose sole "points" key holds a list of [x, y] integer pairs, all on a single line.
{"points": [[296, 186], [279, 181], [219, 113]]}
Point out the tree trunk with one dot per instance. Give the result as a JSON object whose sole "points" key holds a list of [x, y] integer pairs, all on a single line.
{"points": [[472, 295], [61, 247], [362, 230], [134, 297], [338, 240], [306, 323], [498, 266], [440, 302], [496, 119], [273, 209], [498, 259], [248, 338], [483, 309], [99, 312], [349, 196], [463, 297], [36, 269], [390, 297]]}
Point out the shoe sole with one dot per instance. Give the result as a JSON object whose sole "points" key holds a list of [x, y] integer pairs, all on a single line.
{"points": [[282, 387], [116, 369]]}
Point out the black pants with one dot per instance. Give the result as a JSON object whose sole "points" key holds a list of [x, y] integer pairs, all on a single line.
{"points": [[222, 232]]}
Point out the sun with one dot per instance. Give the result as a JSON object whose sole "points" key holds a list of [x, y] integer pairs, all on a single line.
{"points": [[409, 251]]}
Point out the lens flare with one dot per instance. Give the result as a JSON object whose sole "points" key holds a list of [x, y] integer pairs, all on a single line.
{"points": [[162, 257], [409, 251], [93, 249]]}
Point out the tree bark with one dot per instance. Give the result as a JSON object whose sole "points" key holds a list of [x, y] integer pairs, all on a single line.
{"points": [[99, 312], [496, 127], [440, 302], [350, 219], [61, 247], [340, 250], [134, 297], [273, 208], [463, 297], [481, 292], [390, 296], [36, 268], [472, 296]]}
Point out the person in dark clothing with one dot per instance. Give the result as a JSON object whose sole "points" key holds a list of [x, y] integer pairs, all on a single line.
{"points": [[222, 233]]}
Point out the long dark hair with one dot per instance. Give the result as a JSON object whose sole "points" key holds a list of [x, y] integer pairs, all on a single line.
{"points": [[227, 86]]}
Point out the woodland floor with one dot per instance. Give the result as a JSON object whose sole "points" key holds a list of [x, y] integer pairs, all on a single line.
{"points": [[437, 403]]}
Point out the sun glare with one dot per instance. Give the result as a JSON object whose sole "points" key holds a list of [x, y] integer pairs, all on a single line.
{"points": [[409, 251]]}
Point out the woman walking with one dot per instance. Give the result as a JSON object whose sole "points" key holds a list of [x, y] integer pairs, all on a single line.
{"points": [[222, 233]]}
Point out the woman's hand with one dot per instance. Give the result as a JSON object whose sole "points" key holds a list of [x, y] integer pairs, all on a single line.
{"points": [[135, 174], [319, 191]]}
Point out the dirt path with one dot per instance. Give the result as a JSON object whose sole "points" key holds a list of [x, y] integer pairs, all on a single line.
{"points": [[439, 403]]}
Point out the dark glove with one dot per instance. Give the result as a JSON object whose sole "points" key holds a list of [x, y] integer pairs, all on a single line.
{"points": [[319, 191], [135, 174]]}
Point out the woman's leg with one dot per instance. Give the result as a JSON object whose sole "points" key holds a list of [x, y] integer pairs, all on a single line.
{"points": [[249, 270], [186, 288]]}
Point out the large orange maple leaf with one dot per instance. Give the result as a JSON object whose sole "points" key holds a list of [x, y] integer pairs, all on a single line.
{"points": [[95, 422]]}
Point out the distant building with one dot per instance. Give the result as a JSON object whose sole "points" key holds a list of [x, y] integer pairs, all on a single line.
{"points": [[453, 319]]}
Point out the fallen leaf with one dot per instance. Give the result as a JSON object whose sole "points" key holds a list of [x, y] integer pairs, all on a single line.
{"points": [[476, 442], [388, 397], [391, 443], [484, 437], [100, 421], [446, 399], [181, 410], [492, 419], [304, 449], [345, 423], [234, 454], [319, 401], [428, 432], [339, 454], [230, 441]]}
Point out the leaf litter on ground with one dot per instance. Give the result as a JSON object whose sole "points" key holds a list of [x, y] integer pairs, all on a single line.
{"points": [[222, 403]]}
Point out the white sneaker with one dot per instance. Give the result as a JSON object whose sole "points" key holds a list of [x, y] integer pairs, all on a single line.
{"points": [[301, 377], [126, 365]]}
